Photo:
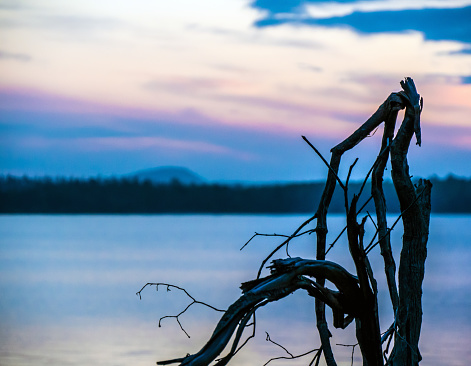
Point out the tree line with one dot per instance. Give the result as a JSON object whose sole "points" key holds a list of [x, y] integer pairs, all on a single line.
{"points": [[124, 195]]}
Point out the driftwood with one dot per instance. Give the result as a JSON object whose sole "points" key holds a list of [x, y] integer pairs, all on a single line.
{"points": [[356, 294]]}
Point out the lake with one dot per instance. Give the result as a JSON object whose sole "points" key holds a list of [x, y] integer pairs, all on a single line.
{"points": [[68, 288]]}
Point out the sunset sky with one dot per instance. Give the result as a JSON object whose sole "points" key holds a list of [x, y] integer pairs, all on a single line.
{"points": [[225, 87]]}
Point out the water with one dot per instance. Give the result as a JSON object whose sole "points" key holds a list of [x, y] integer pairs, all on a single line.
{"points": [[68, 287]]}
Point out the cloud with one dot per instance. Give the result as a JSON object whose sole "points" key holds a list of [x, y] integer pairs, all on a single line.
{"points": [[189, 85], [437, 20], [21, 57], [259, 39], [308, 67], [10, 5], [435, 24], [327, 9], [67, 26], [466, 79], [281, 6], [120, 143], [147, 142], [334, 9]]}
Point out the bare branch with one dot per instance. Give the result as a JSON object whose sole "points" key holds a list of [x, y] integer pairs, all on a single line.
{"points": [[325, 162], [279, 235], [268, 339], [349, 345], [284, 243], [286, 277], [372, 245], [292, 357], [345, 227], [177, 317], [350, 171]]}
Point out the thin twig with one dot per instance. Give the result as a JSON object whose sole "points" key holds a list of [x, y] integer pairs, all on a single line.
{"points": [[177, 317], [284, 243], [279, 235], [345, 227], [317, 357], [335, 241], [268, 339], [294, 357], [371, 219], [349, 345], [325, 162], [371, 245], [350, 172], [384, 151]]}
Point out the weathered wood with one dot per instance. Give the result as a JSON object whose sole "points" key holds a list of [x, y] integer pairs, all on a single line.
{"points": [[382, 114], [287, 277], [356, 296], [367, 322], [415, 205], [381, 209]]}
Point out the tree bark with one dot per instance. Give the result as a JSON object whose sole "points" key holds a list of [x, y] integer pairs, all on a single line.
{"points": [[415, 205]]}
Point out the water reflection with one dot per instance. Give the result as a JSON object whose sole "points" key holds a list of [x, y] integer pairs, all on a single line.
{"points": [[68, 288]]}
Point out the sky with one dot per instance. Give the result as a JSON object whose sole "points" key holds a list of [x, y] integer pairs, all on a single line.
{"points": [[226, 88]]}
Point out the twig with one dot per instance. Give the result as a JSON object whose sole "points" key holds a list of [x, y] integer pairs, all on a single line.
{"points": [[345, 227], [345, 191], [291, 356], [384, 151], [371, 219], [371, 245], [335, 241], [284, 243], [279, 235], [349, 345], [325, 162], [317, 357], [350, 172], [268, 339], [194, 301]]}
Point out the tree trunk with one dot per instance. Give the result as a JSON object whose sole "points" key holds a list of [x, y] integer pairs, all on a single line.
{"points": [[415, 205]]}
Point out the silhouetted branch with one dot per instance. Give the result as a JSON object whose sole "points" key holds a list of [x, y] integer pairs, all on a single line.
{"points": [[345, 227], [349, 345], [268, 339], [279, 235], [325, 162], [291, 356], [284, 243], [177, 317], [287, 276], [373, 244], [354, 297]]}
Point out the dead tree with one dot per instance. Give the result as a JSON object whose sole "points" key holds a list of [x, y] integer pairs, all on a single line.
{"points": [[355, 297]]}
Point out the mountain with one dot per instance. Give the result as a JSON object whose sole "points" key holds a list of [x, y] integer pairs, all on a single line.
{"points": [[168, 174]]}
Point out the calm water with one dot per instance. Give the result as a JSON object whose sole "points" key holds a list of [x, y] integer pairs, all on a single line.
{"points": [[68, 285]]}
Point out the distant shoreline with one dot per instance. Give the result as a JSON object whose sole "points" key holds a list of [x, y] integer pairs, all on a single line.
{"points": [[130, 196]]}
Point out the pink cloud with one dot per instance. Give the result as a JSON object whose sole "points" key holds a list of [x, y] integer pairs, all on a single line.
{"points": [[132, 143], [140, 143]]}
